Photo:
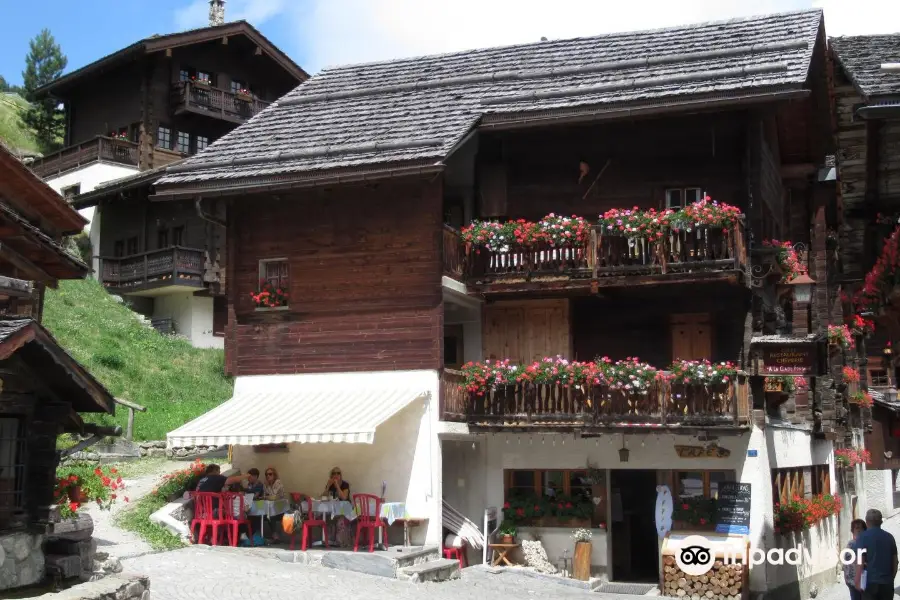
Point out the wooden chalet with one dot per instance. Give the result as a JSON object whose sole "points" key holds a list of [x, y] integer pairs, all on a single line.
{"points": [[43, 390], [128, 116], [366, 221], [867, 101]]}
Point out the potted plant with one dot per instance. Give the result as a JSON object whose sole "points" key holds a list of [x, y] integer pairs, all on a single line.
{"points": [[201, 83], [244, 95], [507, 532], [79, 483], [270, 296], [581, 562]]}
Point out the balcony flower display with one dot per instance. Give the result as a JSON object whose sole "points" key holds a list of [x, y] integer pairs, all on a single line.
{"points": [[862, 326], [850, 374], [697, 511], [635, 222], [880, 281], [80, 483], [482, 377], [269, 296], [630, 375], [119, 136], [787, 258], [787, 384], [706, 213], [839, 335], [204, 81], [800, 514], [564, 231], [496, 236], [850, 457], [863, 399], [701, 372], [560, 370]]}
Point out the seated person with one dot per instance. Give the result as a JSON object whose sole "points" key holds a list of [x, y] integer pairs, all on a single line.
{"points": [[214, 481], [336, 487], [273, 489], [253, 485]]}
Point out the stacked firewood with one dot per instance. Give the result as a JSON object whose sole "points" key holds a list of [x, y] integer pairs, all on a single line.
{"points": [[722, 582]]}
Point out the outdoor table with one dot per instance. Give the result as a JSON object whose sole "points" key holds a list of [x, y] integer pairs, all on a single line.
{"points": [[335, 508], [500, 551], [265, 509]]}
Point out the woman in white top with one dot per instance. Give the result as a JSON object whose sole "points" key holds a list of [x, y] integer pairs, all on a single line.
{"points": [[273, 489]]}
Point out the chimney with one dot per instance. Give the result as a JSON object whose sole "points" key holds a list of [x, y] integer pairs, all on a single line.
{"points": [[216, 12]]}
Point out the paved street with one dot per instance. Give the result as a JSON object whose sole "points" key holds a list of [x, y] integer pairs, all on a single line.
{"points": [[840, 592], [199, 573]]}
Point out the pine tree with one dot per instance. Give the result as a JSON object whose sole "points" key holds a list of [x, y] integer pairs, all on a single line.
{"points": [[45, 62]]}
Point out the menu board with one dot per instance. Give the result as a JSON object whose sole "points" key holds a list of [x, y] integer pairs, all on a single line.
{"points": [[733, 508]]}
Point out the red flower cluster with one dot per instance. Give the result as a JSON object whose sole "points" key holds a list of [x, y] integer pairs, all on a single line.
{"points": [[179, 481], [554, 230], [636, 223], [850, 457], [863, 326], [863, 399], [80, 483], [851, 375], [839, 335], [707, 213], [801, 513], [270, 296], [788, 260], [882, 278], [701, 372]]}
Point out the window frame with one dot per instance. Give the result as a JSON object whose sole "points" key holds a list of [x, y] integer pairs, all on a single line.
{"points": [[177, 238], [283, 280], [683, 194], [70, 191], [164, 132], [673, 480], [19, 466], [788, 482], [178, 142], [197, 146]]}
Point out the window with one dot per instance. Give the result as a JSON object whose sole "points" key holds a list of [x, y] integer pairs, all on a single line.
{"points": [[119, 248], [12, 468], [275, 271], [526, 484], [162, 238], [178, 236], [238, 85], [183, 142], [204, 76], [699, 484], [679, 197], [804, 482], [132, 246], [164, 137], [220, 315], [70, 192], [186, 73], [879, 377], [202, 142]]}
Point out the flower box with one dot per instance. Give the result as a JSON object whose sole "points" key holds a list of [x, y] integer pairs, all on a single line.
{"points": [[243, 97], [201, 83], [271, 308]]}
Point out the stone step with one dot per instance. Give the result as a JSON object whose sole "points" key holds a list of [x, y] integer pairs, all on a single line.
{"points": [[411, 557], [442, 569]]}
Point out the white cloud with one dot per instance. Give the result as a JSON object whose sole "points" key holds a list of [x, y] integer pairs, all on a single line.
{"points": [[347, 31], [196, 14]]}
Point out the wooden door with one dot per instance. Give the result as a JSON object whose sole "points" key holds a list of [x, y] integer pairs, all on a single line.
{"points": [[691, 336], [527, 331]]}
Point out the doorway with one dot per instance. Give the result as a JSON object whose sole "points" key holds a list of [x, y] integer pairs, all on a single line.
{"points": [[633, 526]]}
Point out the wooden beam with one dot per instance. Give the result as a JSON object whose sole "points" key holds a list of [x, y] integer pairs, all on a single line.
{"points": [[19, 288], [258, 51], [224, 40], [20, 262], [168, 53]]}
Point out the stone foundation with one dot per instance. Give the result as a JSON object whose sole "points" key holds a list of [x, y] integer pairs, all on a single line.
{"points": [[23, 559], [114, 587], [70, 551]]}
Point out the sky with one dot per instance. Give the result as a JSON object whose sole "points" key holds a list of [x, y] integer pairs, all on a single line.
{"points": [[321, 33]]}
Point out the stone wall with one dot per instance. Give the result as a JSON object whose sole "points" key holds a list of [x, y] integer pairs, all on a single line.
{"points": [[21, 559], [114, 587]]}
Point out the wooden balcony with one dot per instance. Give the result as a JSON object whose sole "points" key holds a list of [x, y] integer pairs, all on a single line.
{"points": [[530, 406], [101, 148], [154, 273], [605, 260], [19, 298], [189, 96]]}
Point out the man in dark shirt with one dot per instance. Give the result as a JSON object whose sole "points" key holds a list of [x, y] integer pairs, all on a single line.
{"points": [[879, 559], [214, 481]]}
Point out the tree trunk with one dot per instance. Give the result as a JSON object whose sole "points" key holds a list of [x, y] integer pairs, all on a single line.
{"points": [[581, 564]]}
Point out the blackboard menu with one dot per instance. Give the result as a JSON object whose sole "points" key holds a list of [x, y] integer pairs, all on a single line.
{"points": [[733, 508]]}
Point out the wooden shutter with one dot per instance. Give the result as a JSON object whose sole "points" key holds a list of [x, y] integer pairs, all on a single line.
{"points": [[691, 337], [527, 331]]}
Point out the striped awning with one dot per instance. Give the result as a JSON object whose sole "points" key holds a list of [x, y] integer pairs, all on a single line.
{"points": [[329, 407]]}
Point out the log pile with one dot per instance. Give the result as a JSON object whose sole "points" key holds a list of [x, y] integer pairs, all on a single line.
{"points": [[722, 582]]}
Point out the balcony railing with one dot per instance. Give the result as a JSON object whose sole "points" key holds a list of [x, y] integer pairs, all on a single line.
{"points": [[530, 405], [705, 249], [101, 148], [199, 98], [158, 268]]}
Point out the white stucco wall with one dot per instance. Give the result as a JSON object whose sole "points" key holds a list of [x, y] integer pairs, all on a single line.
{"points": [[406, 455], [879, 485], [90, 177], [193, 317]]}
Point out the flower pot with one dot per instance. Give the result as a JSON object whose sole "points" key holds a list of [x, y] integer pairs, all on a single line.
{"points": [[76, 495], [243, 97], [506, 539], [581, 561]]}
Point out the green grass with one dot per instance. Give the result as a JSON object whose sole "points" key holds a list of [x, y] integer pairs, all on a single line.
{"points": [[12, 132], [173, 380], [136, 518]]}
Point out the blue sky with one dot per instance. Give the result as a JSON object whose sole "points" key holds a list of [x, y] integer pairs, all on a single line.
{"points": [[319, 33]]}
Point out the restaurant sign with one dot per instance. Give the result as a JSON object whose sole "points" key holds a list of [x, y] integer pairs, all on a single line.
{"points": [[789, 360]]}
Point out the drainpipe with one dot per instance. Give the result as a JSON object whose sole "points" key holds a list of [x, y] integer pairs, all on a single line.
{"points": [[99, 432]]}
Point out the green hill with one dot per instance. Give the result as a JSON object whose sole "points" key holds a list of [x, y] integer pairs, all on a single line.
{"points": [[12, 132], [174, 380]]}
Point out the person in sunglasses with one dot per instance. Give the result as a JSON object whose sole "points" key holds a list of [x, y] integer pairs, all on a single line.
{"points": [[273, 489], [336, 487]]}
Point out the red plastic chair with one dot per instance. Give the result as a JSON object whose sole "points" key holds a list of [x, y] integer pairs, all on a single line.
{"points": [[368, 519], [205, 516], [309, 522], [232, 521], [459, 554]]}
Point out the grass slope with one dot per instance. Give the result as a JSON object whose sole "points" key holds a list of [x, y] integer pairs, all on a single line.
{"points": [[12, 132], [175, 381]]}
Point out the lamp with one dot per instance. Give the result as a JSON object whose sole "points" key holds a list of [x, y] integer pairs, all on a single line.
{"points": [[623, 451], [802, 288]]}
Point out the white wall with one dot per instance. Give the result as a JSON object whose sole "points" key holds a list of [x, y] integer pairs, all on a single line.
{"points": [[879, 486], [193, 317], [406, 455]]}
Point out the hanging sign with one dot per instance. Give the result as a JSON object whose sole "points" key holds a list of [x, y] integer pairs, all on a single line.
{"points": [[788, 359], [663, 510], [733, 508], [711, 451]]}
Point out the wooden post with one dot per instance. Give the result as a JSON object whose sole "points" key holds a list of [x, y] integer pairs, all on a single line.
{"points": [[581, 562], [130, 429]]}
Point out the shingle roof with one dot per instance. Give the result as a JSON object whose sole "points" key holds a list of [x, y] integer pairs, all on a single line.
{"points": [[418, 109], [861, 58]]}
